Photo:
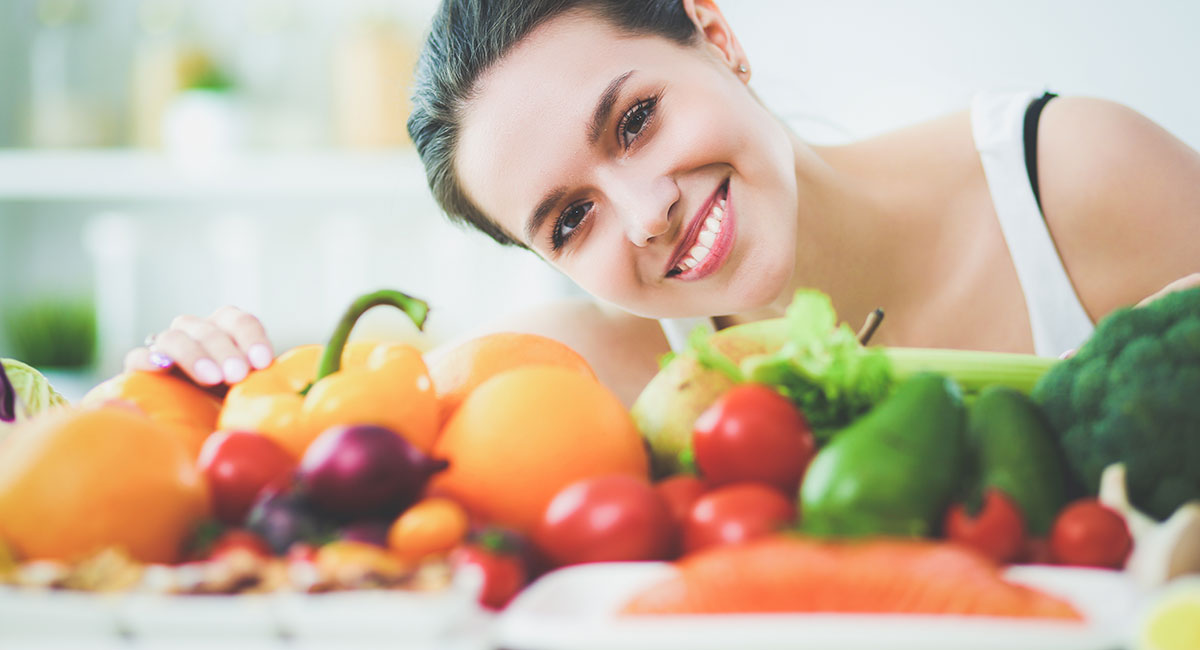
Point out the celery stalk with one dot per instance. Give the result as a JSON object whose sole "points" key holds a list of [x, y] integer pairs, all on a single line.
{"points": [[972, 369]]}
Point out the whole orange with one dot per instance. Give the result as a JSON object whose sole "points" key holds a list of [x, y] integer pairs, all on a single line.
{"points": [[462, 368], [526, 433], [81, 480], [165, 398]]}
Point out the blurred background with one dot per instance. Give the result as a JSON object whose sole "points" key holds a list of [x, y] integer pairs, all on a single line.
{"points": [[161, 157]]}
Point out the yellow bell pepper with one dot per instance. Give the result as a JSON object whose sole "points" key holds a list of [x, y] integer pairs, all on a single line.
{"points": [[311, 388]]}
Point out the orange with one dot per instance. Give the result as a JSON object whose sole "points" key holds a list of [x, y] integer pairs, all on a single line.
{"points": [[462, 368], [78, 481], [165, 398], [526, 433]]}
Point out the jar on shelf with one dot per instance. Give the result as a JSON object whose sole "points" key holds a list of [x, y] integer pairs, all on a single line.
{"points": [[65, 109]]}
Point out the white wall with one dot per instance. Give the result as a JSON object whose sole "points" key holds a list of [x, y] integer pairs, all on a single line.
{"points": [[836, 69], [850, 68]]}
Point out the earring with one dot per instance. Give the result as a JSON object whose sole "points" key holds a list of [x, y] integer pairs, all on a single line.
{"points": [[742, 68]]}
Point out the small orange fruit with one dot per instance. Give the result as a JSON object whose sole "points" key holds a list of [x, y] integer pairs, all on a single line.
{"points": [[433, 525], [461, 369], [526, 433], [165, 398], [75, 482]]}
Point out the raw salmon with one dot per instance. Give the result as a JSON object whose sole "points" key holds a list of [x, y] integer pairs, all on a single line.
{"points": [[787, 573]]}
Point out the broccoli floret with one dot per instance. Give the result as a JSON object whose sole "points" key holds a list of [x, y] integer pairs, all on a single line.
{"points": [[1132, 394]]}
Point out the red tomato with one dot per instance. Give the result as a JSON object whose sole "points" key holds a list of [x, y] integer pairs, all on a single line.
{"points": [[997, 530], [610, 518], [504, 573], [1088, 533], [681, 492], [238, 465], [752, 433], [736, 513]]}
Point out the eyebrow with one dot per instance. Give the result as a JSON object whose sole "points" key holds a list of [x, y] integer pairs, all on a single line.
{"points": [[600, 117]]}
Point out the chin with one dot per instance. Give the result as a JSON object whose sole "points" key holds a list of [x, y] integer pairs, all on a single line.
{"points": [[759, 286]]}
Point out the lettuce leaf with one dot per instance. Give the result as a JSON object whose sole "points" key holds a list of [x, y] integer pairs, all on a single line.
{"points": [[24, 392], [822, 368]]}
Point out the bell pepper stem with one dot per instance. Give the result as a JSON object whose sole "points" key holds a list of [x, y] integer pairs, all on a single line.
{"points": [[331, 359]]}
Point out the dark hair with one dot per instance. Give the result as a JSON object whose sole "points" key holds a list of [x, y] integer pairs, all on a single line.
{"points": [[467, 37]]}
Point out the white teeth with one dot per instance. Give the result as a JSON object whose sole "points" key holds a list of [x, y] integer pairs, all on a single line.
{"points": [[705, 240]]}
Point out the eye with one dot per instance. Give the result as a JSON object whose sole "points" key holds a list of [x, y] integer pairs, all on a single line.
{"points": [[635, 119], [568, 221]]}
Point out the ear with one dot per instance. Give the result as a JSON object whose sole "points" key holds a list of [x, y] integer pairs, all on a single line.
{"points": [[718, 35]]}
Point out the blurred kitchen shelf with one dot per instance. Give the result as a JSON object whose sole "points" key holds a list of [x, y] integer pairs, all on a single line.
{"points": [[130, 175]]}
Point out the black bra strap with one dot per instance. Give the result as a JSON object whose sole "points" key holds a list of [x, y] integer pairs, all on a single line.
{"points": [[1031, 127]]}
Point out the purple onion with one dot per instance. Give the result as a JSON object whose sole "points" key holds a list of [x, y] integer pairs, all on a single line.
{"points": [[364, 471], [283, 518]]}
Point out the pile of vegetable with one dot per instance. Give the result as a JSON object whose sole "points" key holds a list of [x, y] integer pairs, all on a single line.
{"points": [[336, 467], [1001, 451]]}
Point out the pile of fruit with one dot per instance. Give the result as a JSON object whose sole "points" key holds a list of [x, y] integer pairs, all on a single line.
{"points": [[347, 466], [781, 463]]}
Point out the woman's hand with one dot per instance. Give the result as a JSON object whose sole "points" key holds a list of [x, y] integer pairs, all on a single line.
{"points": [[1186, 282], [222, 348]]}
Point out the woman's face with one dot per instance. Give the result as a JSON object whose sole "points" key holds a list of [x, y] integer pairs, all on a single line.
{"points": [[645, 171]]}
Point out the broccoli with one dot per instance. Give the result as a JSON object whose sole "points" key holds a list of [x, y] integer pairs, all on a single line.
{"points": [[1131, 394]]}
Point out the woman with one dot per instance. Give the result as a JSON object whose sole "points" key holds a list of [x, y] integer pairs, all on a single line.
{"points": [[621, 141]]}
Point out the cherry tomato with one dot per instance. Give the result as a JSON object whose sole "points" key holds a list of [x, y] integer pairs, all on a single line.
{"points": [[1088, 533], [997, 530], [681, 492], [238, 465], [503, 569], [736, 513], [606, 519], [752, 433]]}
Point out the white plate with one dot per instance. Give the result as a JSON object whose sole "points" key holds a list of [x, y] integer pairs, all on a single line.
{"points": [[574, 608], [29, 616]]}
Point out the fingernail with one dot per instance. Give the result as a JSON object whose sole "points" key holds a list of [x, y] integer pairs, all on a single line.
{"points": [[207, 372], [260, 355], [161, 360], [235, 370]]}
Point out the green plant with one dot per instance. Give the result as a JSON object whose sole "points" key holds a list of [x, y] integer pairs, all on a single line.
{"points": [[52, 332]]}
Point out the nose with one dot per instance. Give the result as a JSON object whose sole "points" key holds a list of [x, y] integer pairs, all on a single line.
{"points": [[644, 206]]}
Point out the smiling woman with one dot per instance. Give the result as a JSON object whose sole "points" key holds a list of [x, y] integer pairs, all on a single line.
{"points": [[622, 142]]}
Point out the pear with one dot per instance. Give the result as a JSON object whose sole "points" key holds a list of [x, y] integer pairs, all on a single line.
{"points": [[668, 406]]}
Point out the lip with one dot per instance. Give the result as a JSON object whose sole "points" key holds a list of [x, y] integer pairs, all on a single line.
{"points": [[720, 248]]}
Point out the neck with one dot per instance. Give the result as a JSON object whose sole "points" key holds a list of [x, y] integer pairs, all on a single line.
{"points": [[847, 235]]}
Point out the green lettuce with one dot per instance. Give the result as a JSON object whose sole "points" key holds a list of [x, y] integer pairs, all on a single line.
{"points": [[24, 392]]}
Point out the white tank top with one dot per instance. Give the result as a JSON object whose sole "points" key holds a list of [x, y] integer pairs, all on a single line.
{"points": [[1057, 318]]}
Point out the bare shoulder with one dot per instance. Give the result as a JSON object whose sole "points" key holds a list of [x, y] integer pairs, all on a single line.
{"points": [[622, 348], [1122, 198]]}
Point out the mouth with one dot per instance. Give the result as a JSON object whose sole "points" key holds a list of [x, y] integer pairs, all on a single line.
{"points": [[707, 241]]}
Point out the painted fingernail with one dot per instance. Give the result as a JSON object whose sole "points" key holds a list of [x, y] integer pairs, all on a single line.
{"points": [[235, 370], [260, 355], [207, 372], [161, 360]]}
